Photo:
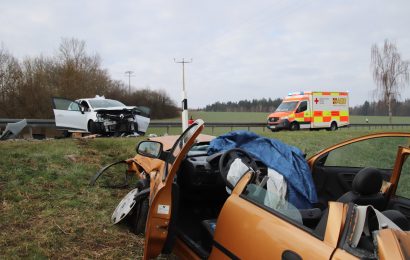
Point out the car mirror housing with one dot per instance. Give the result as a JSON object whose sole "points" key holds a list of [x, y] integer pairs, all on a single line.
{"points": [[150, 149]]}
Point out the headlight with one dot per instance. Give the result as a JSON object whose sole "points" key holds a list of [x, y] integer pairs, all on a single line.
{"points": [[99, 118]]}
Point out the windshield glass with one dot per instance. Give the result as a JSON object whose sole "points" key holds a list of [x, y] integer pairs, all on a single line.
{"points": [[183, 139], [287, 106], [191, 132], [104, 103]]}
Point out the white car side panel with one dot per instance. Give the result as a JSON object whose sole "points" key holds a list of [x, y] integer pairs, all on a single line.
{"points": [[69, 119]]}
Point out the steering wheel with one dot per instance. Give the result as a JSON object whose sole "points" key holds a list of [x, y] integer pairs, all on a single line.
{"points": [[227, 159]]}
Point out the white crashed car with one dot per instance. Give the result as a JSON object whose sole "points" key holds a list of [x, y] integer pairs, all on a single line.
{"points": [[100, 116]]}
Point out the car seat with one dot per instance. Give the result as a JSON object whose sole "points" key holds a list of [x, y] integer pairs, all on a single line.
{"points": [[398, 218], [366, 189]]}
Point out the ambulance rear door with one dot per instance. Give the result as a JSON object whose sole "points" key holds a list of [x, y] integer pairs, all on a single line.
{"points": [[329, 107]]}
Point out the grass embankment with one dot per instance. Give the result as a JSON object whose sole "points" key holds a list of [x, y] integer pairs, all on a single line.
{"points": [[47, 208], [49, 211]]}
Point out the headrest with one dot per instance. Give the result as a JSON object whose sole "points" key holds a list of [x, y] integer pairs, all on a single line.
{"points": [[367, 181]]}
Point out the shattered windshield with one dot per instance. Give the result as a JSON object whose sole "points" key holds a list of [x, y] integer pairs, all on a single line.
{"points": [[105, 103], [287, 106], [192, 131]]}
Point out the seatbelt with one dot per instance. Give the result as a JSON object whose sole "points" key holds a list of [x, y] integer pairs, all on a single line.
{"points": [[363, 226]]}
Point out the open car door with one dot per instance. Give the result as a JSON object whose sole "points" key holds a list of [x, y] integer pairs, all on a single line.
{"points": [[334, 168], [399, 195], [159, 234], [68, 115]]}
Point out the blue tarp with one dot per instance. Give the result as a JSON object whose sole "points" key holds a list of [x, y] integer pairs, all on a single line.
{"points": [[285, 159]]}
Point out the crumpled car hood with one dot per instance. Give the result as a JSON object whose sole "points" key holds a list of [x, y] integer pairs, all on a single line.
{"points": [[115, 108]]}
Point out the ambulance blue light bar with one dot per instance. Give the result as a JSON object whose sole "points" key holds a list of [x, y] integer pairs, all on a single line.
{"points": [[296, 93]]}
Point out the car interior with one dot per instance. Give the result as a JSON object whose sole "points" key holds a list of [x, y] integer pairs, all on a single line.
{"points": [[201, 191]]}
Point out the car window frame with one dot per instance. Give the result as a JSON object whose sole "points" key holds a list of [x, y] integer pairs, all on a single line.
{"points": [[325, 155]]}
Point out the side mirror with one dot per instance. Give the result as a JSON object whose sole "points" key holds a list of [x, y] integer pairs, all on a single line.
{"points": [[82, 109], [149, 149]]}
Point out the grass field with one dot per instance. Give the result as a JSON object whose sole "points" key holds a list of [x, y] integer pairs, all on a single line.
{"points": [[219, 117], [261, 117], [49, 211]]}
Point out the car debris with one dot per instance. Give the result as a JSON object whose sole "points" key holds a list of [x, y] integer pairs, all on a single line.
{"points": [[100, 116], [13, 129]]}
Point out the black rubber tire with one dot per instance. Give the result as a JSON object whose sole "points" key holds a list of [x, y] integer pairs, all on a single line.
{"points": [[66, 134], [138, 218], [92, 127], [294, 126], [333, 126]]}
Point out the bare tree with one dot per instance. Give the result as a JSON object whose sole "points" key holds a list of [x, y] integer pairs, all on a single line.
{"points": [[390, 73], [10, 78]]}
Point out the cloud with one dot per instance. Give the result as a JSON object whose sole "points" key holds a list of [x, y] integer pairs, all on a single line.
{"points": [[239, 49]]}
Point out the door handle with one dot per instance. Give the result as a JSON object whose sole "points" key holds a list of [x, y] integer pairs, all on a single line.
{"points": [[290, 255]]}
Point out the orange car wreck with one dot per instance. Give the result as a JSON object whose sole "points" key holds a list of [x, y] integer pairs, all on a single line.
{"points": [[195, 210]]}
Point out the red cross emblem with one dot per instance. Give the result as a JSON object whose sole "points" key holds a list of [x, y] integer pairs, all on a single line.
{"points": [[316, 101]]}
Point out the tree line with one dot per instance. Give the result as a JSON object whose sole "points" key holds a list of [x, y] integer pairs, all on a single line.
{"points": [[254, 105], [380, 108], [372, 108], [27, 86]]}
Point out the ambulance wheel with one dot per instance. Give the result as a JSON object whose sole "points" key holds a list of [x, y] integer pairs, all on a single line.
{"points": [[294, 126], [333, 126]]}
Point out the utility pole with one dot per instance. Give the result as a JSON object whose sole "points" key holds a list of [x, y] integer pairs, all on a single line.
{"points": [[129, 72], [184, 95]]}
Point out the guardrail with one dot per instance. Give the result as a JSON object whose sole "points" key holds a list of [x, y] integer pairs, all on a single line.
{"points": [[50, 123]]}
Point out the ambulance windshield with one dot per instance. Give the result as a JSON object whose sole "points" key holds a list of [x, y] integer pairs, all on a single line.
{"points": [[287, 106]]}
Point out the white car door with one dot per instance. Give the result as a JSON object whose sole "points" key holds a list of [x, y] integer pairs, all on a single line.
{"points": [[68, 115]]}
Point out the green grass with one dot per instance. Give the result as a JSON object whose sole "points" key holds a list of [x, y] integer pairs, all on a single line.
{"points": [[47, 208], [261, 117], [241, 117]]}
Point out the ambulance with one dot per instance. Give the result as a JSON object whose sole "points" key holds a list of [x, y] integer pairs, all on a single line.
{"points": [[311, 110]]}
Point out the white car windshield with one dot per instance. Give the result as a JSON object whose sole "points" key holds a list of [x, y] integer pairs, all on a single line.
{"points": [[105, 103], [287, 106]]}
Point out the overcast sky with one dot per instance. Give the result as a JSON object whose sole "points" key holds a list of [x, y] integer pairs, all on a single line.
{"points": [[240, 49]]}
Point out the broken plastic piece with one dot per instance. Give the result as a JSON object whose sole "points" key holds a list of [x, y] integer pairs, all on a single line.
{"points": [[13, 129]]}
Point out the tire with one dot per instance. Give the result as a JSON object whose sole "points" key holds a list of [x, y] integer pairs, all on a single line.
{"points": [[294, 126], [333, 126], [138, 218], [66, 134], [92, 128]]}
